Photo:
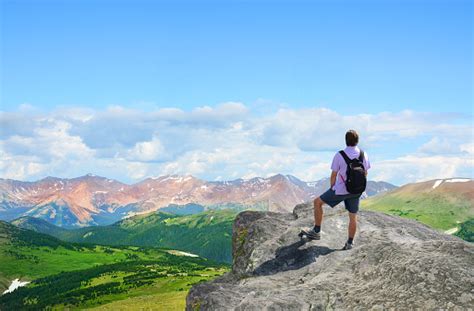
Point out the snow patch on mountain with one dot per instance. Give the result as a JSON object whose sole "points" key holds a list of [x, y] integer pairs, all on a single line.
{"points": [[458, 180], [437, 183], [181, 253], [14, 285]]}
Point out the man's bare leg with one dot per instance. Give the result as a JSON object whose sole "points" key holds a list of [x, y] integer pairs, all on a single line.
{"points": [[351, 230], [352, 225], [314, 233], [318, 212]]}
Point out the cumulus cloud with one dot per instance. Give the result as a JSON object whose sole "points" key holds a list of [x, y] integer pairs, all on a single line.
{"points": [[321, 129], [220, 115], [136, 170], [228, 141], [441, 146], [50, 139], [145, 151], [417, 168], [20, 167]]}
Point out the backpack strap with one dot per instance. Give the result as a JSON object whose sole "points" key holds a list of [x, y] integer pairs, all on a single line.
{"points": [[346, 158], [361, 156]]}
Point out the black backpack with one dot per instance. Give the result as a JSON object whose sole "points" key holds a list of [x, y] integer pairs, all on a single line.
{"points": [[356, 181]]}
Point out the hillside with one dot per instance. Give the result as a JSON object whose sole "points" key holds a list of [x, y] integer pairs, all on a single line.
{"points": [[443, 204], [65, 274], [207, 234], [28, 255], [39, 225], [396, 264], [94, 200]]}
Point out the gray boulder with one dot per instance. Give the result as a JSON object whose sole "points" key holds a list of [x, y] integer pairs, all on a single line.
{"points": [[396, 264]]}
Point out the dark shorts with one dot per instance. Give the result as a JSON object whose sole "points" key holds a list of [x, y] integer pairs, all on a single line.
{"points": [[351, 201]]}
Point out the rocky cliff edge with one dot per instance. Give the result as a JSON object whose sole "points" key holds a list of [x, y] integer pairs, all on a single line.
{"points": [[396, 264]]}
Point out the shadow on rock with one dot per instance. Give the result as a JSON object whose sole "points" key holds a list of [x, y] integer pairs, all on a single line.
{"points": [[290, 257]]}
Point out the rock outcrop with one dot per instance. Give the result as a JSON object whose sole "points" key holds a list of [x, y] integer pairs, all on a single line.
{"points": [[396, 264]]}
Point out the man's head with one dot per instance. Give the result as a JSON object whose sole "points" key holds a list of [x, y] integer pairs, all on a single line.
{"points": [[352, 138]]}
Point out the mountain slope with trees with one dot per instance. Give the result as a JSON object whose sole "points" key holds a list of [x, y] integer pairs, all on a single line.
{"points": [[207, 234]]}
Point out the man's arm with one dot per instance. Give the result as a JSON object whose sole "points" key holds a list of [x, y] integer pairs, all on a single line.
{"points": [[333, 178], [335, 165], [366, 163]]}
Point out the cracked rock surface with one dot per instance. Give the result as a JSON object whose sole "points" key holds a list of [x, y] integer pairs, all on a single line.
{"points": [[396, 263]]}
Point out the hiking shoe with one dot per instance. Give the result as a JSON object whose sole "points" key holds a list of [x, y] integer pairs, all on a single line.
{"points": [[312, 235], [347, 246]]}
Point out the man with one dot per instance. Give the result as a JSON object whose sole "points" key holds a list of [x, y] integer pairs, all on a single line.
{"points": [[338, 191]]}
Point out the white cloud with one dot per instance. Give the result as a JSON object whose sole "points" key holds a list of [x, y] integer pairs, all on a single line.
{"points": [[20, 167], [222, 112], [169, 114], [228, 141], [50, 139], [440, 146], [136, 170], [73, 113], [146, 151], [322, 129], [417, 168]]}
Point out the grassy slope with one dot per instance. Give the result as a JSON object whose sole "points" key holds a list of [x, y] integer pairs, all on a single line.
{"points": [[65, 273], [207, 234], [161, 282], [29, 255], [439, 209], [164, 302]]}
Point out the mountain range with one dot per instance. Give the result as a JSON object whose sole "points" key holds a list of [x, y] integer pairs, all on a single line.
{"points": [[445, 204], [95, 200]]}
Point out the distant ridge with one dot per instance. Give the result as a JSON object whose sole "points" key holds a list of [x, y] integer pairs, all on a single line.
{"points": [[95, 200]]}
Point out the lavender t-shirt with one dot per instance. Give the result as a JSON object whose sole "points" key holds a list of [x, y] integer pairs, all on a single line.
{"points": [[339, 165]]}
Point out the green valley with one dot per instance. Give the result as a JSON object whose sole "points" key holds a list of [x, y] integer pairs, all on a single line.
{"points": [[74, 275]]}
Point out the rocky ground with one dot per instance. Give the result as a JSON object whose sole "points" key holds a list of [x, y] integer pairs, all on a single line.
{"points": [[396, 263]]}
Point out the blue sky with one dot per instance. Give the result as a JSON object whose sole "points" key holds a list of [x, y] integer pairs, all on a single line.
{"points": [[367, 56], [274, 60]]}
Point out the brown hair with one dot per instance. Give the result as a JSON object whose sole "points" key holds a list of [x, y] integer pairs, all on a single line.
{"points": [[352, 138]]}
